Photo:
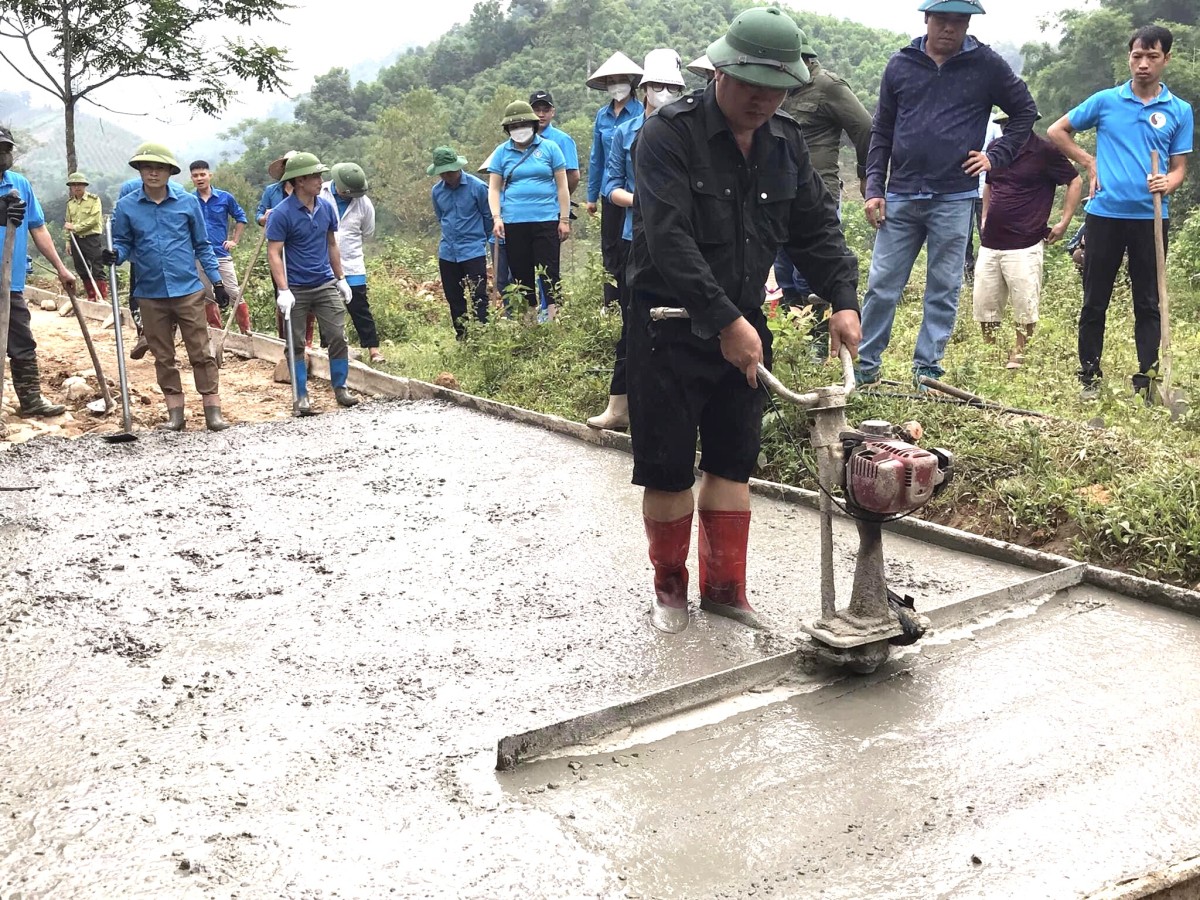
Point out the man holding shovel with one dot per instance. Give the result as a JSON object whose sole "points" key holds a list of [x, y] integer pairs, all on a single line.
{"points": [[160, 229], [84, 243], [219, 207], [307, 269], [1140, 116], [24, 214]]}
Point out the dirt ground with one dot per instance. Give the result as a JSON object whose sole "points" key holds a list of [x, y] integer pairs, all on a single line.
{"points": [[248, 392]]}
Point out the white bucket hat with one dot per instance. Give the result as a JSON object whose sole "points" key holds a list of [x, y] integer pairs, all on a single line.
{"points": [[617, 64], [663, 66]]}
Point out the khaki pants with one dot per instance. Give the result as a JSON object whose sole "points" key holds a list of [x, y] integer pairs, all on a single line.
{"points": [[159, 319], [1008, 277]]}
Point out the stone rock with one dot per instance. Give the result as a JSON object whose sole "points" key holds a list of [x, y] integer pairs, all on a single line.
{"points": [[67, 309], [283, 373], [48, 304], [448, 381], [76, 388]]}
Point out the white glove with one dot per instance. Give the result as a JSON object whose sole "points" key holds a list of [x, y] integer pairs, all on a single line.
{"points": [[285, 301], [343, 287]]}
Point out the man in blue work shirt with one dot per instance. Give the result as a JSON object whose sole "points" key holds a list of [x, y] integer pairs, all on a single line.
{"points": [[543, 107], [1140, 116], [219, 207], [160, 230], [24, 213], [460, 202], [307, 269], [923, 171]]}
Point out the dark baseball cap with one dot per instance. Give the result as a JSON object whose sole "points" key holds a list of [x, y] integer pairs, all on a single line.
{"points": [[541, 97], [6, 137]]}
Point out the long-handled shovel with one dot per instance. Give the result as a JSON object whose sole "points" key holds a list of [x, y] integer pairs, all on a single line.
{"points": [[106, 404], [1172, 398], [287, 343], [219, 340], [126, 434], [10, 237]]}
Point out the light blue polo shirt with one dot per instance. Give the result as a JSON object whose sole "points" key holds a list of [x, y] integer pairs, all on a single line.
{"points": [[531, 195], [305, 237], [34, 218], [1126, 131], [566, 144]]}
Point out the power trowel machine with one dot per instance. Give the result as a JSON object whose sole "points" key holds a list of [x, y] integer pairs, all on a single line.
{"points": [[882, 476]]}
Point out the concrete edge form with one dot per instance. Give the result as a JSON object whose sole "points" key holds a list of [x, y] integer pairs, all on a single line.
{"points": [[643, 710], [1180, 881], [374, 383], [1009, 595]]}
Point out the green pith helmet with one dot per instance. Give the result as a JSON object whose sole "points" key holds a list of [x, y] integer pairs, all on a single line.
{"points": [[445, 160], [519, 113], [806, 47], [303, 164], [349, 178], [964, 7], [150, 152], [77, 178], [761, 47]]}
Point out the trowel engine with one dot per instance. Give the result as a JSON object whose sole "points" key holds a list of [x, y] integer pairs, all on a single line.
{"points": [[886, 475]]}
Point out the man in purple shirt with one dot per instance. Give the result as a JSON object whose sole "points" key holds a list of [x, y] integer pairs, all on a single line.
{"points": [[1017, 201]]}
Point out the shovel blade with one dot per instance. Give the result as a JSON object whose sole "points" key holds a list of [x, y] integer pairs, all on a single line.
{"points": [[121, 437]]}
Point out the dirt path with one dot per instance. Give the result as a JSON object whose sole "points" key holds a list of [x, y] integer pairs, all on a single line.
{"points": [[248, 392]]}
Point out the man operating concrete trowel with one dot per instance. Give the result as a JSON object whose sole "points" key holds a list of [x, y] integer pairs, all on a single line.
{"points": [[307, 268], [722, 183]]}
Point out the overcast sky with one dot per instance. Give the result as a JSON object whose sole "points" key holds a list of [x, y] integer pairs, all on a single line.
{"points": [[313, 36]]}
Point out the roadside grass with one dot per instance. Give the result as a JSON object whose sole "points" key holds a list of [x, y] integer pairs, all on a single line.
{"points": [[1111, 482]]}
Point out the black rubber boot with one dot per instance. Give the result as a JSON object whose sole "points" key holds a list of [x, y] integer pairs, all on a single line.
{"points": [[303, 407], [175, 420], [27, 384], [212, 417], [141, 348], [344, 397]]}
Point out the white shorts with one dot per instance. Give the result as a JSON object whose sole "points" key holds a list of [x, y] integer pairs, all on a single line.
{"points": [[1003, 276]]}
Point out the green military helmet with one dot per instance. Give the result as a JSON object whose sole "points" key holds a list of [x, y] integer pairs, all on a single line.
{"points": [[349, 178], [806, 47], [762, 47], [445, 160], [151, 152], [78, 178], [964, 7], [304, 164], [519, 113]]}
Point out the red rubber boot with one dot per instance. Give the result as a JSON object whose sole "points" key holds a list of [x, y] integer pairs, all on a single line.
{"points": [[102, 287], [723, 539], [669, 543]]}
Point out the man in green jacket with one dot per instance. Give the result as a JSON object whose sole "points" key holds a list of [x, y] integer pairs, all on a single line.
{"points": [[83, 223], [825, 108]]}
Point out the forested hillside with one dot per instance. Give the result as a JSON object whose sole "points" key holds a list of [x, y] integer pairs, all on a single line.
{"points": [[454, 90]]}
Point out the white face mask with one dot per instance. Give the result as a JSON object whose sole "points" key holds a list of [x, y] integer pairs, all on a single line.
{"points": [[521, 135], [659, 99], [619, 91]]}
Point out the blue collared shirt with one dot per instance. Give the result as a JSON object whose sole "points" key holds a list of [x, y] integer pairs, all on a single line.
{"points": [[34, 218], [218, 209], [566, 144], [305, 237], [618, 172], [163, 242], [531, 194], [1126, 131], [465, 218], [602, 131], [271, 198]]}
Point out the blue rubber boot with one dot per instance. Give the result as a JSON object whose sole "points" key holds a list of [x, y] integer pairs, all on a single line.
{"points": [[339, 369], [302, 406]]}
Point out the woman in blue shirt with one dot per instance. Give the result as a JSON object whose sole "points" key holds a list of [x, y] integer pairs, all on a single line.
{"points": [[662, 82], [529, 202]]}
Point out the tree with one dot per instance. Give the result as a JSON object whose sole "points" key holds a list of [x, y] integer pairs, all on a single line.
{"points": [[94, 43]]}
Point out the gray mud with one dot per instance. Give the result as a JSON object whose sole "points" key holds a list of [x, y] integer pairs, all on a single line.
{"points": [[275, 662]]}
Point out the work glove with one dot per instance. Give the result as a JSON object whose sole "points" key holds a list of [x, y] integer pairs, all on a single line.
{"points": [[285, 301], [221, 294], [12, 208], [343, 287], [108, 257]]}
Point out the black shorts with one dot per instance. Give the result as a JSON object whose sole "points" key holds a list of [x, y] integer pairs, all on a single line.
{"points": [[680, 386]]}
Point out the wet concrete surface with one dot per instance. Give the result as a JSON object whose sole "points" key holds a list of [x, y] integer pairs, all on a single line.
{"points": [[274, 662]]}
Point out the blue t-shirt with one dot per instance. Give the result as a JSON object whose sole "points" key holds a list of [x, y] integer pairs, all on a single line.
{"points": [[34, 218], [531, 194], [566, 144], [465, 218], [618, 167], [219, 208], [305, 237], [1126, 131]]}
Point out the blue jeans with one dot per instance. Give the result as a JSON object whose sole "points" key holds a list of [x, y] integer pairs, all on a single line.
{"points": [[789, 278], [910, 224]]}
